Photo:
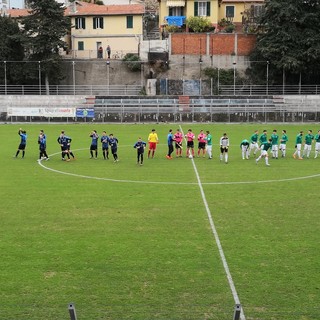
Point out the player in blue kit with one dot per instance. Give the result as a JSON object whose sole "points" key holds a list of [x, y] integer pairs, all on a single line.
{"points": [[23, 142], [113, 142], [140, 146], [42, 141], [65, 142], [105, 145], [94, 144]]}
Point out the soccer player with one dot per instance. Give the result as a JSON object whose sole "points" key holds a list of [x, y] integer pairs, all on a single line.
{"points": [[283, 143], [224, 147], [152, 140], [208, 139], [140, 146], [105, 145], [94, 144], [263, 138], [202, 143], [245, 146], [254, 143], [298, 146], [170, 139], [113, 142], [190, 143], [308, 144], [23, 143], [264, 152], [42, 141], [178, 137], [64, 142], [317, 148], [274, 142]]}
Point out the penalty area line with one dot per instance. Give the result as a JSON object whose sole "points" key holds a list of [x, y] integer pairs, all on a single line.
{"points": [[217, 239]]}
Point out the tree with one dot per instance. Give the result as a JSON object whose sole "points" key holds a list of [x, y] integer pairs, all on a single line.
{"points": [[289, 39], [44, 31]]}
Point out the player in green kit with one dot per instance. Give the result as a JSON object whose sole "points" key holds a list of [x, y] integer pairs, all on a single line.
{"points": [[208, 139], [298, 146], [264, 152], [274, 142], [317, 148], [263, 138], [283, 143], [254, 143], [308, 144], [245, 145]]}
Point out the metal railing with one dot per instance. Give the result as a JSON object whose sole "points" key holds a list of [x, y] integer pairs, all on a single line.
{"points": [[111, 90]]}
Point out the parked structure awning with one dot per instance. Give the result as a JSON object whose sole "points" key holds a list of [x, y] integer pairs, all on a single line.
{"points": [[176, 3]]}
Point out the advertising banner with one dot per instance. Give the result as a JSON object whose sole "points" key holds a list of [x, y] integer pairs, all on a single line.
{"points": [[85, 113], [41, 112]]}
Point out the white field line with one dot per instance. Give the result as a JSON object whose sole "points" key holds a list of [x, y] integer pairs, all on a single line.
{"points": [[42, 164], [216, 236]]}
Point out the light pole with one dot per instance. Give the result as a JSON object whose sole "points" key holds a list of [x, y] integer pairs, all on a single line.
{"points": [[5, 77], [108, 76], [267, 77], [234, 78], [74, 78], [39, 76]]}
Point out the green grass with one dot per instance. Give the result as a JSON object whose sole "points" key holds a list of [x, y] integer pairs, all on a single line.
{"points": [[145, 250]]}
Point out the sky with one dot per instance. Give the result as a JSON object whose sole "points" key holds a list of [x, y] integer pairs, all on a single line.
{"points": [[16, 3]]}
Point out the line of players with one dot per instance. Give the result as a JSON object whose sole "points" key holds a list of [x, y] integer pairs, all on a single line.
{"points": [[272, 144], [254, 144]]}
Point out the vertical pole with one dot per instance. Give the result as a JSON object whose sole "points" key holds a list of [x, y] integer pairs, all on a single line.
{"points": [[108, 76], [39, 77], [300, 84], [267, 78], [237, 311], [74, 78], [72, 311], [5, 77], [283, 81], [234, 78]]}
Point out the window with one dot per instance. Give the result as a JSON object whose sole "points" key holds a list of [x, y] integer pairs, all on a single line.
{"points": [[202, 9], [80, 23], [80, 45], [97, 23], [129, 22], [229, 12], [257, 10], [176, 11]]}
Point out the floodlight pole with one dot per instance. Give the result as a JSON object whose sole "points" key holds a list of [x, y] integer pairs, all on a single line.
{"points": [[234, 77], [5, 77], [237, 311], [72, 311]]}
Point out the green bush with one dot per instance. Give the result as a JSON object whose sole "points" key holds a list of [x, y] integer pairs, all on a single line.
{"points": [[132, 61], [199, 24]]}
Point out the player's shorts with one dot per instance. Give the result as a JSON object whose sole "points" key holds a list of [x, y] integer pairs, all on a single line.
{"points": [[298, 146], [274, 147], [64, 149], [318, 146], [42, 148], [264, 153], [307, 147], [105, 148], [152, 145], [201, 145], [223, 149], [93, 147], [283, 146], [178, 145], [190, 144], [22, 146]]}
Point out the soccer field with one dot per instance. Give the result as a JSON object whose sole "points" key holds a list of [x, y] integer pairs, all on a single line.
{"points": [[172, 239]]}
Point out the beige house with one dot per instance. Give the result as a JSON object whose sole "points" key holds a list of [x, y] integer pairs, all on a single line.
{"points": [[99, 26], [214, 10]]}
